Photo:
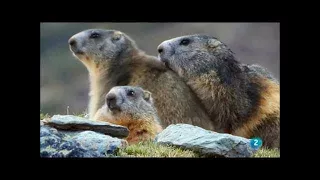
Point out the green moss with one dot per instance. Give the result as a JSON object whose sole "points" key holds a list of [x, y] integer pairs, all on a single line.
{"points": [[65, 152], [49, 149]]}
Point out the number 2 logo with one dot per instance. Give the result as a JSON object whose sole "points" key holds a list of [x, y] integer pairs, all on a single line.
{"points": [[255, 143]]}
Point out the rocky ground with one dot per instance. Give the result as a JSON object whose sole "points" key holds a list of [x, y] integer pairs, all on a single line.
{"points": [[74, 136]]}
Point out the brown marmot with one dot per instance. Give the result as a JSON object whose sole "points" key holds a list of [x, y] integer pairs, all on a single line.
{"points": [[113, 59], [241, 99], [132, 107]]}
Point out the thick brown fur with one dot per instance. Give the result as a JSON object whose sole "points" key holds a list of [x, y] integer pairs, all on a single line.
{"points": [[267, 113], [243, 100], [140, 117], [123, 63]]}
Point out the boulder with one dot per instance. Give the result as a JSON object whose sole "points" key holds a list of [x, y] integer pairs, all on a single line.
{"points": [[55, 143], [205, 142]]}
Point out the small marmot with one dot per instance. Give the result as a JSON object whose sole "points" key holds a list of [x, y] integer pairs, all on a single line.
{"points": [[113, 59], [241, 99], [133, 108]]}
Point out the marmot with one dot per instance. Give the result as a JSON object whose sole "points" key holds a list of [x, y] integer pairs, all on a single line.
{"points": [[243, 100], [113, 59], [132, 107]]}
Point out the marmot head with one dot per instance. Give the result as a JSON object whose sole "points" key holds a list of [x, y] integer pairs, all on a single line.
{"points": [[193, 54], [100, 45], [129, 100]]}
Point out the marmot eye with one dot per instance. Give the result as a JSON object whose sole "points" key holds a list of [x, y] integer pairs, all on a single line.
{"points": [[94, 35], [130, 93], [185, 42]]}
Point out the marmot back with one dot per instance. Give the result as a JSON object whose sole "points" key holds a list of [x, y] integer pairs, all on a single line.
{"points": [[243, 100], [113, 59]]}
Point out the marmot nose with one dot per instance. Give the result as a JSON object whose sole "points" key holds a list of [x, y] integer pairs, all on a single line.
{"points": [[160, 49], [111, 101], [72, 42]]}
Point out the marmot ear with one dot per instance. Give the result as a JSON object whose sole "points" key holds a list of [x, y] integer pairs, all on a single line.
{"points": [[146, 95], [116, 36], [213, 43]]}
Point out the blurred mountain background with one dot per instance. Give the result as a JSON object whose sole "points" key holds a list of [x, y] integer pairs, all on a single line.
{"points": [[64, 80]]}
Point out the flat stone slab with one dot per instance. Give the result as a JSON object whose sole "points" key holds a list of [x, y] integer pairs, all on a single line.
{"points": [[75, 123], [205, 142]]}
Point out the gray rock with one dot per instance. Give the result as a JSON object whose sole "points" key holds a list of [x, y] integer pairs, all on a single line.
{"points": [[74, 123], [101, 143], [54, 143], [206, 143]]}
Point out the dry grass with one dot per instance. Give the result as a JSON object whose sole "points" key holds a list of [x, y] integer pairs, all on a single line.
{"points": [[150, 149], [267, 153]]}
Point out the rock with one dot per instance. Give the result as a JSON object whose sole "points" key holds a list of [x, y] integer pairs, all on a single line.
{"points": [[207, 143], [54, 143], [74, 123], [93, 141]]}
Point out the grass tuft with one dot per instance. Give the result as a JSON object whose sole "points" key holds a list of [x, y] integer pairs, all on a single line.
{"points": [[267, 153], [150, 149], [83, 114], [42, 116]]}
